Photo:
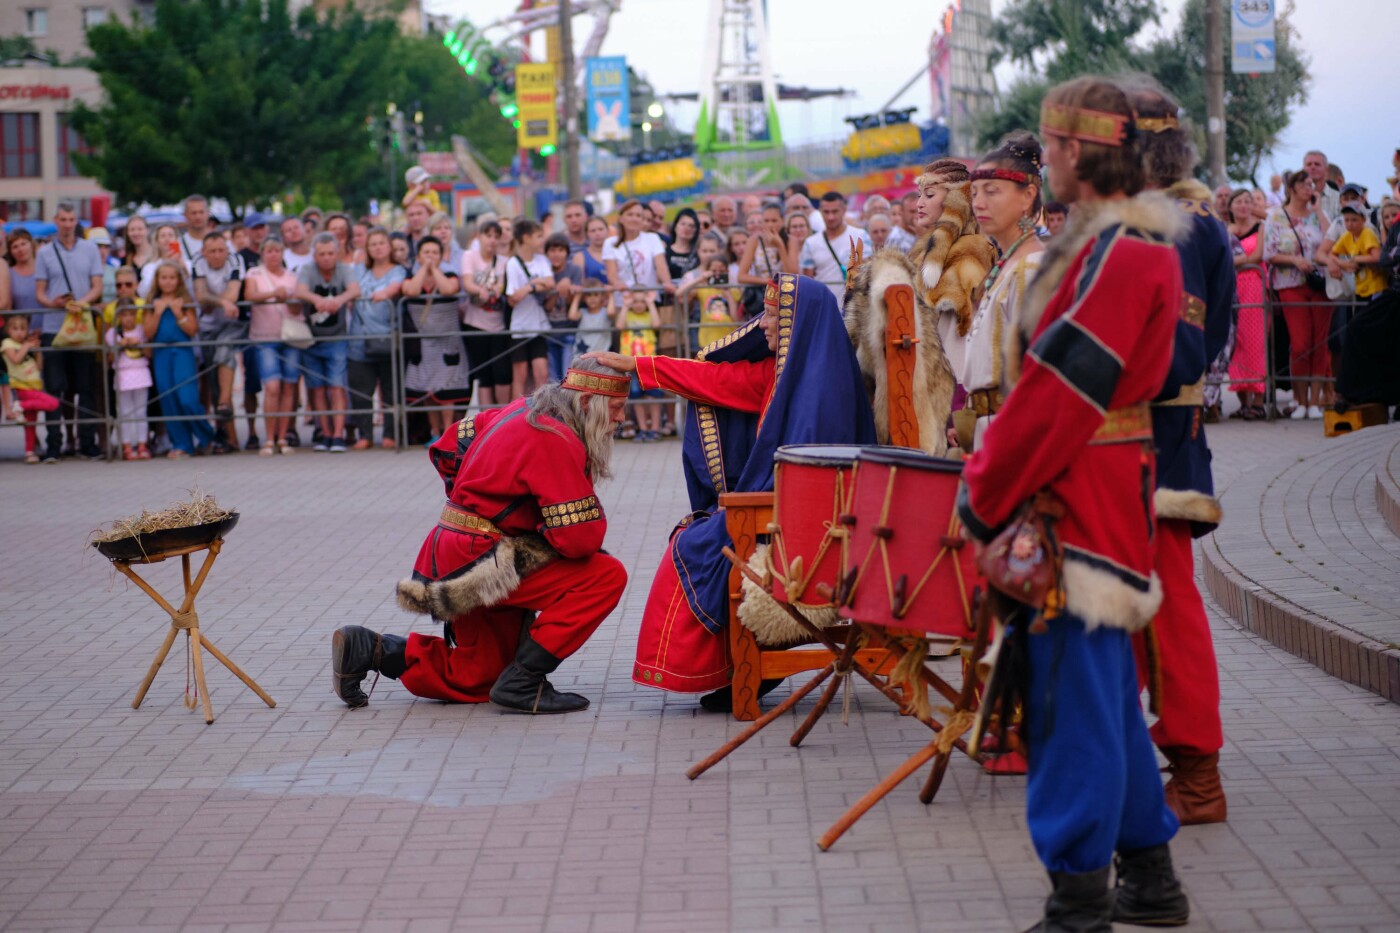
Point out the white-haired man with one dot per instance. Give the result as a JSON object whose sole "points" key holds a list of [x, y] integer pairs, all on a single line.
{"points": [[514, 569]]}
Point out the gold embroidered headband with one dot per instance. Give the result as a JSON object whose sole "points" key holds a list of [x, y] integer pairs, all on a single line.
{"points": [[597, 383], [770, 295], [1157, 124], [1089, 126]]}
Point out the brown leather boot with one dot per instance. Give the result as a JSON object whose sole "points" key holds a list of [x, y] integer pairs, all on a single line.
{"points": [[1194, 793]]}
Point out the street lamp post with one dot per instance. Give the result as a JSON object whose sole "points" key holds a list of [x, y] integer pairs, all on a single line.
{"points": [[646, 135]]}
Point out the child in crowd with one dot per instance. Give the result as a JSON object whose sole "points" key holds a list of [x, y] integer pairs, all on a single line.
{"points": [[131, 368], [23, 366], [640, 319], [567, 277], [172, 314], [1358, 251], [716, 314], [590, 311]]}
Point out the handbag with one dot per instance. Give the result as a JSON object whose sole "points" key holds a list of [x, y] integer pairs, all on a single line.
{"points": [[1342, 289], [296, 333], [1023, 561], [1315, 280], [78, 329]]}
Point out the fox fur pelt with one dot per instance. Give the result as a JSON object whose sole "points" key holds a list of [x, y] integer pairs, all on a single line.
{"points": [[865, 315]]}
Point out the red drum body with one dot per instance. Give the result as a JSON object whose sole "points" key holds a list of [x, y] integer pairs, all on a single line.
{"points": [[812, 485], [909, 566]]}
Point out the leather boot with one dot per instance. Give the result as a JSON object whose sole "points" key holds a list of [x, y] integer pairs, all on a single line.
{"points": [[1148, 892], [522, 685], [355, 652], [722, 700], [1193, 792], [1080, 903]]}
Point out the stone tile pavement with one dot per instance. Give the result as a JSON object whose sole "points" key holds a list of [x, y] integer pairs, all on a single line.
{"points": [[414, 815]]}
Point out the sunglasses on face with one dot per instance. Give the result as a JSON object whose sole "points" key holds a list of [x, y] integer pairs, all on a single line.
{"points": [[126, 285]]}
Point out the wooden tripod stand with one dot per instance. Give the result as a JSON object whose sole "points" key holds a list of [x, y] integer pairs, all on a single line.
{"points": [[186, 620]]}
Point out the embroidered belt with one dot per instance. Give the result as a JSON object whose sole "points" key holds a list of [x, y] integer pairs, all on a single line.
{"points": [[1192, 395], [985, 401], [456, 518], [1125, 425]]}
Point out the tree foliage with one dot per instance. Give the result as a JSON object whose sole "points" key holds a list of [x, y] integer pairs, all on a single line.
{"points": [[1257, 107], [234, 98], [1055, 40]]}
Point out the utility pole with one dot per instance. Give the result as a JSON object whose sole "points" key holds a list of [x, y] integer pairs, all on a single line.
{"points": [[570, 121], [1215, 95]]}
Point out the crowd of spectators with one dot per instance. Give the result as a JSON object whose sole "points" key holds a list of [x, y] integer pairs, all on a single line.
{"points": [[302, 312]]}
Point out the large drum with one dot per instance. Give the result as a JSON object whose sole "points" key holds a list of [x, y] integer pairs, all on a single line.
{"points": [[812, 486], [909, 566]]}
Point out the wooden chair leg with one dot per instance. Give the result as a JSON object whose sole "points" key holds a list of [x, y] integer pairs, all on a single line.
{"points": [[723, 751]]}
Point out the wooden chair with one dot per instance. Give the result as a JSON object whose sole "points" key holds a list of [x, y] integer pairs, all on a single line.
{"points": [[748, 515]]}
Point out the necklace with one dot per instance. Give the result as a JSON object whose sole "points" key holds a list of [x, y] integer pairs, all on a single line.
{"points": [[1001, 260]]}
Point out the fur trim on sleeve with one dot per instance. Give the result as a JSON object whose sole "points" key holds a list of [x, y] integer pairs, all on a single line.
{"points": [[485, 582], [1188, 505]]}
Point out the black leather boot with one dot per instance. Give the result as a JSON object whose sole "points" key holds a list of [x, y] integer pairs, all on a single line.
{"points": [[722, 700], [1148, 892], [355, 652], [1080, 903], [523, 686]]}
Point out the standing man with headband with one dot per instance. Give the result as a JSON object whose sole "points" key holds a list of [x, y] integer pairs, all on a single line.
{"points": [[1074, 437], [1176, 656], [514, 569]]}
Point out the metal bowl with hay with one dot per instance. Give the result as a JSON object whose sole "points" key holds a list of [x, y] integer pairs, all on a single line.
{"points": [[189, 524]]}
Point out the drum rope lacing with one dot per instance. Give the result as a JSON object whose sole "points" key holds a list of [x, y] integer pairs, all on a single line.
{"points": [[794, 581]]}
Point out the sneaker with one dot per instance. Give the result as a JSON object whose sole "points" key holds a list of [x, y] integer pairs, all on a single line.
{"points": [[337, 445], [293, 439], [252, 443], [1314, 413], [1299, 414], [218, 447], [50, 455], [93, 453], [320, 444]]}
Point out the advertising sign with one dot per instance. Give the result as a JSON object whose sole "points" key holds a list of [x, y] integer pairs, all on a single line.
{"points": [[539, 114], [609, 103]]}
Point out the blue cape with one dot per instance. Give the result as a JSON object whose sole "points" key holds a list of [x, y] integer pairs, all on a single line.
{"points": [[819, 398]]}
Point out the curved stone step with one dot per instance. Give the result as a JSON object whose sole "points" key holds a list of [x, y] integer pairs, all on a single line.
{"points": [[1306, 559]]}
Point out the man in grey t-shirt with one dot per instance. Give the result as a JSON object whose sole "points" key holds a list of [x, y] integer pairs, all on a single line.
{"points": [[68, 270], [218, 278], [326, 289]]}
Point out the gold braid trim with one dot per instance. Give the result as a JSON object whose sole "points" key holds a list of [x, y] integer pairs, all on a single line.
{"points": [[571, 513]]}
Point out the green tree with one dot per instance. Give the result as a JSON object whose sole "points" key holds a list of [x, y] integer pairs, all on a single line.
{"points": [[429, 79], [1054, 40], [235, 98], [1258, 108]]}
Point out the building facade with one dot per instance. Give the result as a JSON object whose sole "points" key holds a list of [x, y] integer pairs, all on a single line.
{"points": [[37, 146], [62, 25]]}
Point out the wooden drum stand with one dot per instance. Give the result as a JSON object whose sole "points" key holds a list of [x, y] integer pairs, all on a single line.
{"points": [[187, 620]]}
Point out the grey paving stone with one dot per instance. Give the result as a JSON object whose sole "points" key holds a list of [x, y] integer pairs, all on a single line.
{"points": [[411, 815]]}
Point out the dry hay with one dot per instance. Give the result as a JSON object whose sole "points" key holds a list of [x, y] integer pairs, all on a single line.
{"points": [[199, 509]]}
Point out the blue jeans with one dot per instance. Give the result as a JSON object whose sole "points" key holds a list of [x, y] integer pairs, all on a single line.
{"points": [[325, 365], [1093, 785], [278, 362], [561, 352]]}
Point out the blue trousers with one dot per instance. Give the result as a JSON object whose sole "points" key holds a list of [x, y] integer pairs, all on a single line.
{"points": [[1093, 784], [176, 366], [561, 352]]}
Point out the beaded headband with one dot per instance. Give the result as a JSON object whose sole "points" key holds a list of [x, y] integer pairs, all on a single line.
{"points": [[597, 383], [1003, 174], [1158, 124], [770, 295], [1089, 126]]}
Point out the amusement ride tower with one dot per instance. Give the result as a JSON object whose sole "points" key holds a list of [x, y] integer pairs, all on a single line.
{"points": [[737, 133]]}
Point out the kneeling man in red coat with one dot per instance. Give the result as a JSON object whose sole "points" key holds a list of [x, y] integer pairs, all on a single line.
{"points": [[514, 568]]}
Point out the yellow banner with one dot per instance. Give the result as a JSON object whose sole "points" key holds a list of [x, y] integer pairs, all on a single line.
{"points": [[535, 95]]}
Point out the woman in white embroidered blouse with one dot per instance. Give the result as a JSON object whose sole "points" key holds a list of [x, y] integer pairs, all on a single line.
{"points": [[1006, 201]]}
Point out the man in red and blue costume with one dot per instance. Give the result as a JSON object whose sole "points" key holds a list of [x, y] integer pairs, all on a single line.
{"points": [[788, 377], [514, 568], [1176, 655], [1097, 331]]}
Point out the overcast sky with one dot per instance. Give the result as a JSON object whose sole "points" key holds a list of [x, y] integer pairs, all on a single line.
{"points": [[874, 46]]}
